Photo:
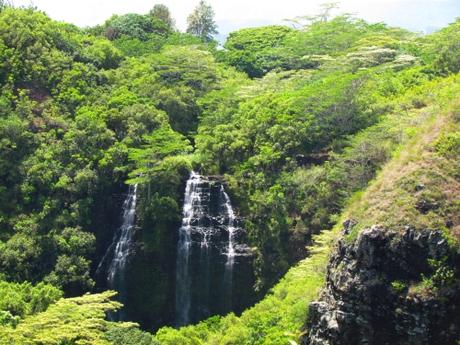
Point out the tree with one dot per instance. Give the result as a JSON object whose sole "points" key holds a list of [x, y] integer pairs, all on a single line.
{"points": [[449, 58], [259, 50], [326, 9], [68, 321], [24, 299], [4, 3], [132, 25], [201, 22], [162, 13], [323, 15], [160, 144]]}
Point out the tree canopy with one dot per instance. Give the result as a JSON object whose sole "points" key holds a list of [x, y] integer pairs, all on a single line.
{"points": [[162, 13], [201, 22], [294, 122]]}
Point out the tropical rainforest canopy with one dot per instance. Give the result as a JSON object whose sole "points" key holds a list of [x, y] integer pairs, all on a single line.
{"points": [[297, 122]]}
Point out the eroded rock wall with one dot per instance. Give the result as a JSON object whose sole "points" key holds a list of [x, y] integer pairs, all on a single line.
{"points": [[375, 294]]}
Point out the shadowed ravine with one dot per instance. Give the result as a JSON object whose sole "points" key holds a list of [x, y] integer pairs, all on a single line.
{"points": [[120, 249]]}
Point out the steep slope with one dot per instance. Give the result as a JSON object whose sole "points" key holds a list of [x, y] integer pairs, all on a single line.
{"points": [[83, 115], [279, 317], [393, 277], [420, 133]]}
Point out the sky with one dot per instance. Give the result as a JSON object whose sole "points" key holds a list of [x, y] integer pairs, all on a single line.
{"points": [[415, 15]]}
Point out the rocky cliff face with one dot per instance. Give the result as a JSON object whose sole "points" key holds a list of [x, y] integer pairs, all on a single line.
{"points": [[151, 269], [388, 287], [214, 265]]}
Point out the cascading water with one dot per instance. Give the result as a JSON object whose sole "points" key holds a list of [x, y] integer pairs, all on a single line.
{"points": [[206, 251], [192, 203], [231, 228], [121, 246]]}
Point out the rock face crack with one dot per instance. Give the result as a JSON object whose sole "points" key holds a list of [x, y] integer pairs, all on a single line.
{"points": [[362, 304]]}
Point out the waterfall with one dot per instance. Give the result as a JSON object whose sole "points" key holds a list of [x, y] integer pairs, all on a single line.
{"points": [[194, 242], [231, 228], [120, 248], [123, 245], [192, 202], [206, 251]]}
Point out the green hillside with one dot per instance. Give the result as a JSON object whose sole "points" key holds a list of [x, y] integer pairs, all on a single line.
{"points": [[304, 128]]}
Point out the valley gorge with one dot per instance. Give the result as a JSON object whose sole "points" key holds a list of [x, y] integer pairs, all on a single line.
{"points": [[286, 184], [213, 264]]}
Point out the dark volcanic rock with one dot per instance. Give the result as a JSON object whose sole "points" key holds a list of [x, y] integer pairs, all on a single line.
{"points": [[424, 206], [359, 304], [213, 261]]}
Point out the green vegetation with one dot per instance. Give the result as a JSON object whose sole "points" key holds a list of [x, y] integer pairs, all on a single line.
{"points": [[77, 320], [295, 145], [277, 319], [161, 12], [420, 187], [201, 22], [299, 122], [260, 50], [20, 300]]}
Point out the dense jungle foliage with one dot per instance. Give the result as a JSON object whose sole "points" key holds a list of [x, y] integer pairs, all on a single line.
{"points": [[296, 120]]}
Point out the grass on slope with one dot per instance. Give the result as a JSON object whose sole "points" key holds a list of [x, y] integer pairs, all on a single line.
{"points": [[421, 185]]}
